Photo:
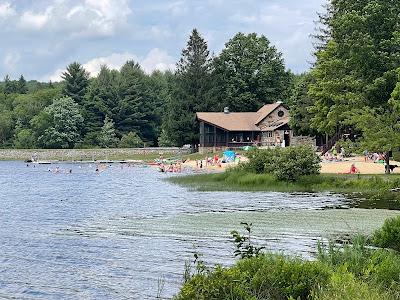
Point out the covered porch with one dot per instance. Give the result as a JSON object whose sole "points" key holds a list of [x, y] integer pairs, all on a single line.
{"points": [[212, 136]]}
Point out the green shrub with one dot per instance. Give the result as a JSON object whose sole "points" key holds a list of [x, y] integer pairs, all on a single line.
{"points": [[264, 277], [378, 267], [355, 255], [389, 235], [258, 159], [295, 162], [285, 164], [25, 139], [345, 286], [131, 140]]}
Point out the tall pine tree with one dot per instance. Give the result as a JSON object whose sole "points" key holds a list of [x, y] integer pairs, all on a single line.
{"points": [[108, 138], [191, 92], [101, 99], [136, 110], [21, 85], [9, 86], [76, 80]]}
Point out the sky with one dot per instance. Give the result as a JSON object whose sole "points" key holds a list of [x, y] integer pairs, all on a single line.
{"points": [[39, 38]]}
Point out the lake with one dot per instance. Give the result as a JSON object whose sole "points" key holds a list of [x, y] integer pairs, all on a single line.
{"points": [[126, 233]]}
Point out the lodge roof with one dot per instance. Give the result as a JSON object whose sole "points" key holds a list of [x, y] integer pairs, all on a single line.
{"points": [[275, 125], [243, 121]]}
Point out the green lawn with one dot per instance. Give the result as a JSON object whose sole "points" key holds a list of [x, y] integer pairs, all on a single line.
{"points": [[234, 180]]}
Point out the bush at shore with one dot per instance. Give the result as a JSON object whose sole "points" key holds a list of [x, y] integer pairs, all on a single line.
{"points": [[267, 276], [389, 235], [285, 164], [354, 271], [292, 169]]}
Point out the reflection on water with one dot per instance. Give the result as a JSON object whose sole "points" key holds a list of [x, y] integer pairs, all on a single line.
{"points": [[113, 235], [387, 200]]}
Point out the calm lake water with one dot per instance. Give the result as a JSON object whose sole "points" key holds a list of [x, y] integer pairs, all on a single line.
{"points": [[118, 234]]}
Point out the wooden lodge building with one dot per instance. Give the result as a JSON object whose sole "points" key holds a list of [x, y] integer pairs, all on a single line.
{"points": [[268, 127]]}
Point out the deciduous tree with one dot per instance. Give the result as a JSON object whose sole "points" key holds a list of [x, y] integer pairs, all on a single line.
{"points": [[251, 73], [65, 124]]}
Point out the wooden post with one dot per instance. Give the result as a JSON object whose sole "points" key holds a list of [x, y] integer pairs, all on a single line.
{"points": [[202, 134], [215, 138], [387, 162]]}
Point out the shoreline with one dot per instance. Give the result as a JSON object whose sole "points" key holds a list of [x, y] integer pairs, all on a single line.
{"points": [[374, 187], [98, 154]]}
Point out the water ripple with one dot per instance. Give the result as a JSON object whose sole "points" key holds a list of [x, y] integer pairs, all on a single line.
{"points": [[114, 235]]}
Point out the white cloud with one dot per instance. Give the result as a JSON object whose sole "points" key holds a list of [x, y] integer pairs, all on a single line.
{"points": [[241, 18], [6, 10], [11, 60], [287, 27], [32, 21], [156, 59], [157, 32], [113, 61], [90, 18], [54, 77], [178, 8]]}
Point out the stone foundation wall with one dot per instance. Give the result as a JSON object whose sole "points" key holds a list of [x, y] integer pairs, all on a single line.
{"points": [[86, 154], [304, 140], [205, 150]]}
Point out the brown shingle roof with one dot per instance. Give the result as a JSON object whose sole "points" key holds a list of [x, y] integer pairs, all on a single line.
{"points": [[275, 125], [266, 110], [243, 121]]}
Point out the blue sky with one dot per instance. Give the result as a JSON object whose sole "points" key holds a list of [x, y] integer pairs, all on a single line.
{"points": [[40, 37]]}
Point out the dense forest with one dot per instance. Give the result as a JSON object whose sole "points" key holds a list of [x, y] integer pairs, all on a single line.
{"points": [[352, 87], [129, 108]]}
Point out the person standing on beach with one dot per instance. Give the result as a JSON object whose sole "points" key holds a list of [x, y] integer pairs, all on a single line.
{"points": [[366, 155]]}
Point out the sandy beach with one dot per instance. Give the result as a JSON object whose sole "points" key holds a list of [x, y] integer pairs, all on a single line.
{"points": [[335, 167], [368, 167]]}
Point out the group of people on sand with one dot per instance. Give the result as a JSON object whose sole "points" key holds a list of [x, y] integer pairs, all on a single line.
{"points": [[335, 154], [166, 166], [209, 161], [376, 157], [171, 168]]}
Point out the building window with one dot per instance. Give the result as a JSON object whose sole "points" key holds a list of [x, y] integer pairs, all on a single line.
{"points": [[281, 113], [269, 134]]}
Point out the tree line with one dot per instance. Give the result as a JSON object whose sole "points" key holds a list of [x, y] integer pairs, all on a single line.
{"points": [[353, 88], [129, 108]]}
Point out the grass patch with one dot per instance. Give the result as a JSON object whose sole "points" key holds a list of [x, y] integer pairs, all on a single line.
{"points": [[239, 180], [354, 271]]}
